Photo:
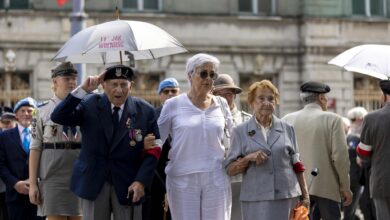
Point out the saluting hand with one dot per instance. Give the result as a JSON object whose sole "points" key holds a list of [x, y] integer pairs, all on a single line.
{"points": [[93, 82]]}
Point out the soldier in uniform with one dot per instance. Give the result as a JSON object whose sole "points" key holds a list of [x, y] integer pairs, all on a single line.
{"points": [[225, 87], [54, 148], [113, 167]]}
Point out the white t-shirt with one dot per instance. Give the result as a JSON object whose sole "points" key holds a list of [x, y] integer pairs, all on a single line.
{"points": [[196, 135]]}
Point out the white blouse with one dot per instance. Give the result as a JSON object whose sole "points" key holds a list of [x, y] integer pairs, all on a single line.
{"points": [[196, 135]]}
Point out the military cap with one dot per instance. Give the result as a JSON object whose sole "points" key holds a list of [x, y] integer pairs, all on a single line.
{"points": [[224, 81], [167, 83], [7, 116], [315, 87], [385, 86], [119, 72], [25, 102], [64, 69]]}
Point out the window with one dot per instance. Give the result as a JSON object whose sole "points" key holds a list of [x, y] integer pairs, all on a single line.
{"points": [[142, 5], [369, 8], [257, 7], [15, 4]]}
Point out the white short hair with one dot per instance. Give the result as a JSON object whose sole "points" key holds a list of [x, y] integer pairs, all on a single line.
{"points": [[308, 97], [357, 113], [198, 60]]}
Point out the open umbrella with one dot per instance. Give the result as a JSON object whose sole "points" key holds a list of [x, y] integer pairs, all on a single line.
{"points": [[117, 41], [369, 59]]}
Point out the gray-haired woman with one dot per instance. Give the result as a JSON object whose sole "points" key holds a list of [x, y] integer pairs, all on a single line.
{"points": [[197, 185]]}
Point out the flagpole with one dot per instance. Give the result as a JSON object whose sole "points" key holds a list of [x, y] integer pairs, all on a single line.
{"points": [[77, 18]]}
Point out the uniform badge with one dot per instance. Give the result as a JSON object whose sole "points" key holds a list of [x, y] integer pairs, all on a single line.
{"points": [[128, 123], [54, 130], [118, 72]]}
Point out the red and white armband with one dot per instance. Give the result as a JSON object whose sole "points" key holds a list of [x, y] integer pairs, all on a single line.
{"points": [[156, 150], [364, 150], [297, 163]]}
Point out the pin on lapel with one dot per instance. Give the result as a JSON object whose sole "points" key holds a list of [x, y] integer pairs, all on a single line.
{"points": [[251, 133], [128, 123]]}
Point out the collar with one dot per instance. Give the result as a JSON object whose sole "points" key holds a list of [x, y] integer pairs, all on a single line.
{"points": [[261, 126], [121, 107], [20, 128], [313, 105]]}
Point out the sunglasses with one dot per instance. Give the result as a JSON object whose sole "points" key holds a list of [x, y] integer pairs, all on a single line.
{"points": [[204, 74], [167, 91]]}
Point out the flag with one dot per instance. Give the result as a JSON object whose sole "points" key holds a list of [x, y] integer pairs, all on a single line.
{"points": [[61, 2]]}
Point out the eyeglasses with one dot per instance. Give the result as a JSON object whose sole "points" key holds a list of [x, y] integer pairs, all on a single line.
{"points": [[204, 74], [167, 91]]}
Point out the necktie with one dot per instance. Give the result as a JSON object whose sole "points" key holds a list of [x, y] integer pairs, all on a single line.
{"points": [[26, 140], [115, 117]]}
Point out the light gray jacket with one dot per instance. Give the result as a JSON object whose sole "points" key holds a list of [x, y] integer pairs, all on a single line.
{"points": [[275, 179]]}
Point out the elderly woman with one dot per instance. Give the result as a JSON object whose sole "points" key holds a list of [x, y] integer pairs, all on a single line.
{"points": [[264, 149], [54, 148], [197, 185]]}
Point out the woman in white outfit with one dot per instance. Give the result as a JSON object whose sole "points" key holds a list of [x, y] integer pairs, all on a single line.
{"points": [[198, 187]]}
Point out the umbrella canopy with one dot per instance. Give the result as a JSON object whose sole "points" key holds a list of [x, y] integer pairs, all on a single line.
{"points": [[369, 59], [109, 43]]}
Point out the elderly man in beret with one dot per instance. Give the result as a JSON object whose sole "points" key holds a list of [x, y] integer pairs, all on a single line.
{"points": [[113, 167], [225, 87], [375, 145], [321, 139], [14, 154], [54, 147]]}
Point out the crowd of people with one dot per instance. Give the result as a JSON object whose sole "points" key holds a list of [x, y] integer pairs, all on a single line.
{"points": [[99, 156]]}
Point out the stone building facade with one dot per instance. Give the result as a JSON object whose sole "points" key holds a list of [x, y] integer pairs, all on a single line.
{"points": [[286, 41]]}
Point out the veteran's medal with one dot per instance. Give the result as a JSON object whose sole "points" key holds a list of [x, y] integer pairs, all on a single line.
{"points": [[138, 136], [132, 143]]}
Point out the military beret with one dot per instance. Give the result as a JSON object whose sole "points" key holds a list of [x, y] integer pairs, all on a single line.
{"points": [[119, 72], [315, 87], [25, 102], [385, 86], [64, 69], [167, 83]]}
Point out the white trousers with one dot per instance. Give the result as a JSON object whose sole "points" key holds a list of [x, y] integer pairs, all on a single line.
{"points": [[200, 196]]}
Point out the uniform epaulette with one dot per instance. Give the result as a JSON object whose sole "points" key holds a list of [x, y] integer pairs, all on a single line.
{"points": [[43, 103]]}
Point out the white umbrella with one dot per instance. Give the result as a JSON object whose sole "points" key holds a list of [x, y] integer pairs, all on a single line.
{"points": [[109, 43], [369, 59]]}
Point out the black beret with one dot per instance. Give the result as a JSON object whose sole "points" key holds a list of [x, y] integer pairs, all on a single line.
{"points": [[315, 87], [119, 72], [64, 69], [385, 86]]}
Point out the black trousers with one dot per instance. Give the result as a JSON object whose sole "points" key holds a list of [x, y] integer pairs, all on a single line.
{"points": [[22, 209], [3, 207]]}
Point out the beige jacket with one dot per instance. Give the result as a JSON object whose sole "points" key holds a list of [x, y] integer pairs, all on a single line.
{"points": [[322, 144]]}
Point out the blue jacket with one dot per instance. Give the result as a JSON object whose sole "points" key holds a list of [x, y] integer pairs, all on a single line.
{"points": [[13, 162], [106, 155]]}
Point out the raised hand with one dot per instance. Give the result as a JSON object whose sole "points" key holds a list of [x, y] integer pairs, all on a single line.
{"points": [[93, 82]]}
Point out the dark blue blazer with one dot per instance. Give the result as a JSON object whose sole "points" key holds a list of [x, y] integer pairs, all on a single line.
{"points": [[13, 162], [106, 155]]}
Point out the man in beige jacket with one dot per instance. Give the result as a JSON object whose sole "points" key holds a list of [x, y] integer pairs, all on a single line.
{"points": [[322, 143]]}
